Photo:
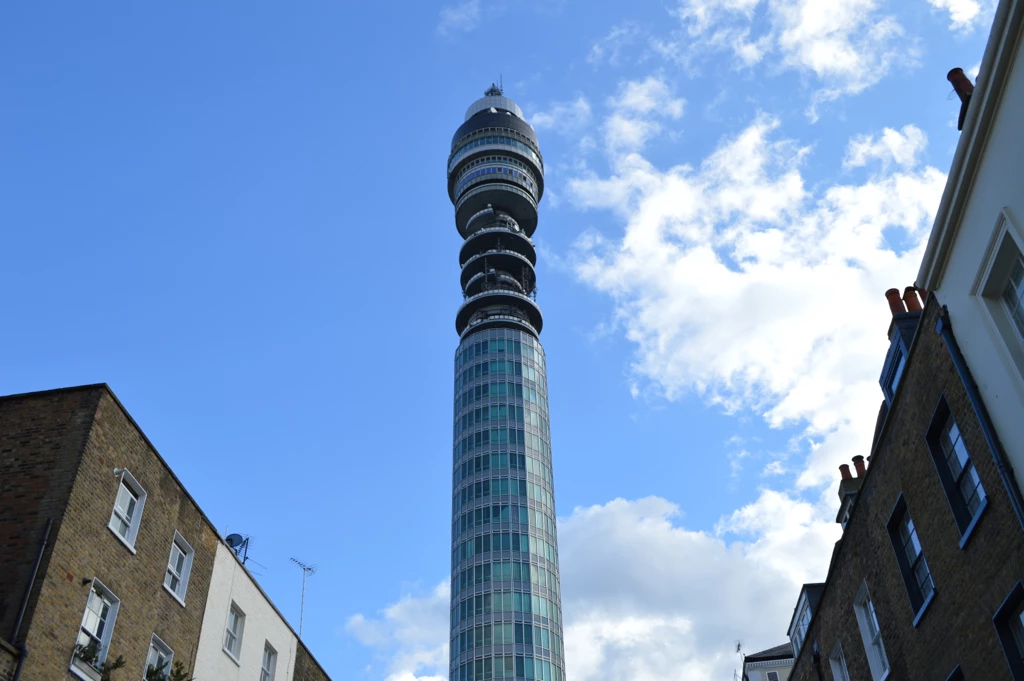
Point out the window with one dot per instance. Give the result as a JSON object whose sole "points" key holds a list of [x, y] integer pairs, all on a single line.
{"points": [[871, 634], [233, 632], [999, 291], [800, 625], [1009, 622], [179, 566], [158, 662], [127, 513], [910, 558], [837, 661], [269, 662], [94, 633], [1013, 294], [892, 368], [773, 676], [957, 472]]}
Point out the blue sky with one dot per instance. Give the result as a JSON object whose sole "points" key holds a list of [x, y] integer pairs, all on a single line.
{"points": [[236, 216]]}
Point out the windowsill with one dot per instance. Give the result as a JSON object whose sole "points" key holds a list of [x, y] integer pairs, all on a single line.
{"points": [[973, 523], [84, 672], [231, 655], [924, 607], [181, 601], [122, 540]]}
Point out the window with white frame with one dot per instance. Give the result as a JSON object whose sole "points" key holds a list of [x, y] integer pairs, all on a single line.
{"points": [[179, 566], [999, 287], [871, 634], [837, 661], [158, 661], [772, 676], [94, 633], [800, 625], [269, 665], [1013, 294], [233, 631], [128, 505]]}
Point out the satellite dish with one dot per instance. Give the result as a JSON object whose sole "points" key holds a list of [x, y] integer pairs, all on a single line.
{"points": [[234, 540]]}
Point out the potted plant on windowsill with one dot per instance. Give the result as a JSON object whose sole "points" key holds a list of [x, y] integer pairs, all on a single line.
{"points": [[89, 657], [177, 673]]}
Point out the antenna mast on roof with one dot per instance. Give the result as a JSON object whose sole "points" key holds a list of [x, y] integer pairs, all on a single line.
{"points": [[306, 570]]}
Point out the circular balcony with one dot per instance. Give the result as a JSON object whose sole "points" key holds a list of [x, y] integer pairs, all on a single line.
{"points": [[504, 197], [499, 260], [482, 281], [497, 238], [509, 305]]}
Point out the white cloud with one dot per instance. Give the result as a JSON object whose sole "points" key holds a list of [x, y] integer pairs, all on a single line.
{"points": [[462, 17], [646, 599], [901, 147], [412, 634], [846, 45], [609, 48], [635, 110], [733, 281], [564, 117], [963, 14]]}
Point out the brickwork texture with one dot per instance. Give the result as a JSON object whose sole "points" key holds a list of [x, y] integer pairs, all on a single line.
{"points": [[970, 583], [66, 445]]}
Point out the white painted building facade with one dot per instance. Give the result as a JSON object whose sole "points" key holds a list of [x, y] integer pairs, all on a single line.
{"points": [[244, 637], [977, 242]]}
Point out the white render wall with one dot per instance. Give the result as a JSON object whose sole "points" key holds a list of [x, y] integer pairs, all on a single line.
{"points": [[760, 672], [230, 582], [998, 186]]}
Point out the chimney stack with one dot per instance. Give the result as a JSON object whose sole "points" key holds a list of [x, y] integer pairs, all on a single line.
{"points": [[844, 470], [896, 304], [858, 463], [964, 89], [913, 303]]}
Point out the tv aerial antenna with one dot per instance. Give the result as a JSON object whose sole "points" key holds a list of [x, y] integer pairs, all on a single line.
{"points": [[306, 570]]}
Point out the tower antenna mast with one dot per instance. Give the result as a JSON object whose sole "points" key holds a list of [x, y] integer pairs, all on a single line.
{"points": [[306, 570]]}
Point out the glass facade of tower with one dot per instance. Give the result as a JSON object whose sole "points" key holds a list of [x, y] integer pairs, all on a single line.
{"points": [[506, 617]]}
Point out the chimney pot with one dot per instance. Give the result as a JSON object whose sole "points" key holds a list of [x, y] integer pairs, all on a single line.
{"points": [[896, 304], [961, 83], [858, 463], [910, 298], [844, 470]]}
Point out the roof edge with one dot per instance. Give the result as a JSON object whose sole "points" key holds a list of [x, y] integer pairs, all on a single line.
{"points": [[995, 66]]}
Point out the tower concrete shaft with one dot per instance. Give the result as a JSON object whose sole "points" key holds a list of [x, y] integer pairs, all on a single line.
{"points": [[506, 614]]}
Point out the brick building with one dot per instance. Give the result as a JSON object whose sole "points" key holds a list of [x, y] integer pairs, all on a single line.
{"points": [[102, 551], [925, 582]]}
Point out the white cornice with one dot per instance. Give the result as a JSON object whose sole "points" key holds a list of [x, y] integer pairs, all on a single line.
{"points": [[995, 66]]}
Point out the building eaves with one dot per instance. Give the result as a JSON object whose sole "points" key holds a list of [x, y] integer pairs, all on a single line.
{"points": [[782, 651], [995, 67]]}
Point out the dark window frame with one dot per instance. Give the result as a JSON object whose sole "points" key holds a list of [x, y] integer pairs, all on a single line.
{"points": [[918, 601], [896, 352], [965, 522], [1001, 621]]}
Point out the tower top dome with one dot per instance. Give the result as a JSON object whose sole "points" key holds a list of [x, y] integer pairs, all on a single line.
{"points": [[494, 98]]}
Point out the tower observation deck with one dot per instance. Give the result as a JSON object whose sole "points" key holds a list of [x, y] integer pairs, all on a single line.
{"points": [[506, 614]]}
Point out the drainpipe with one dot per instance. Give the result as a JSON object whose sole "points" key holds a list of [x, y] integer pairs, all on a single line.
{"points": [[1003, 466], [23, 649], [22, 656]]}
